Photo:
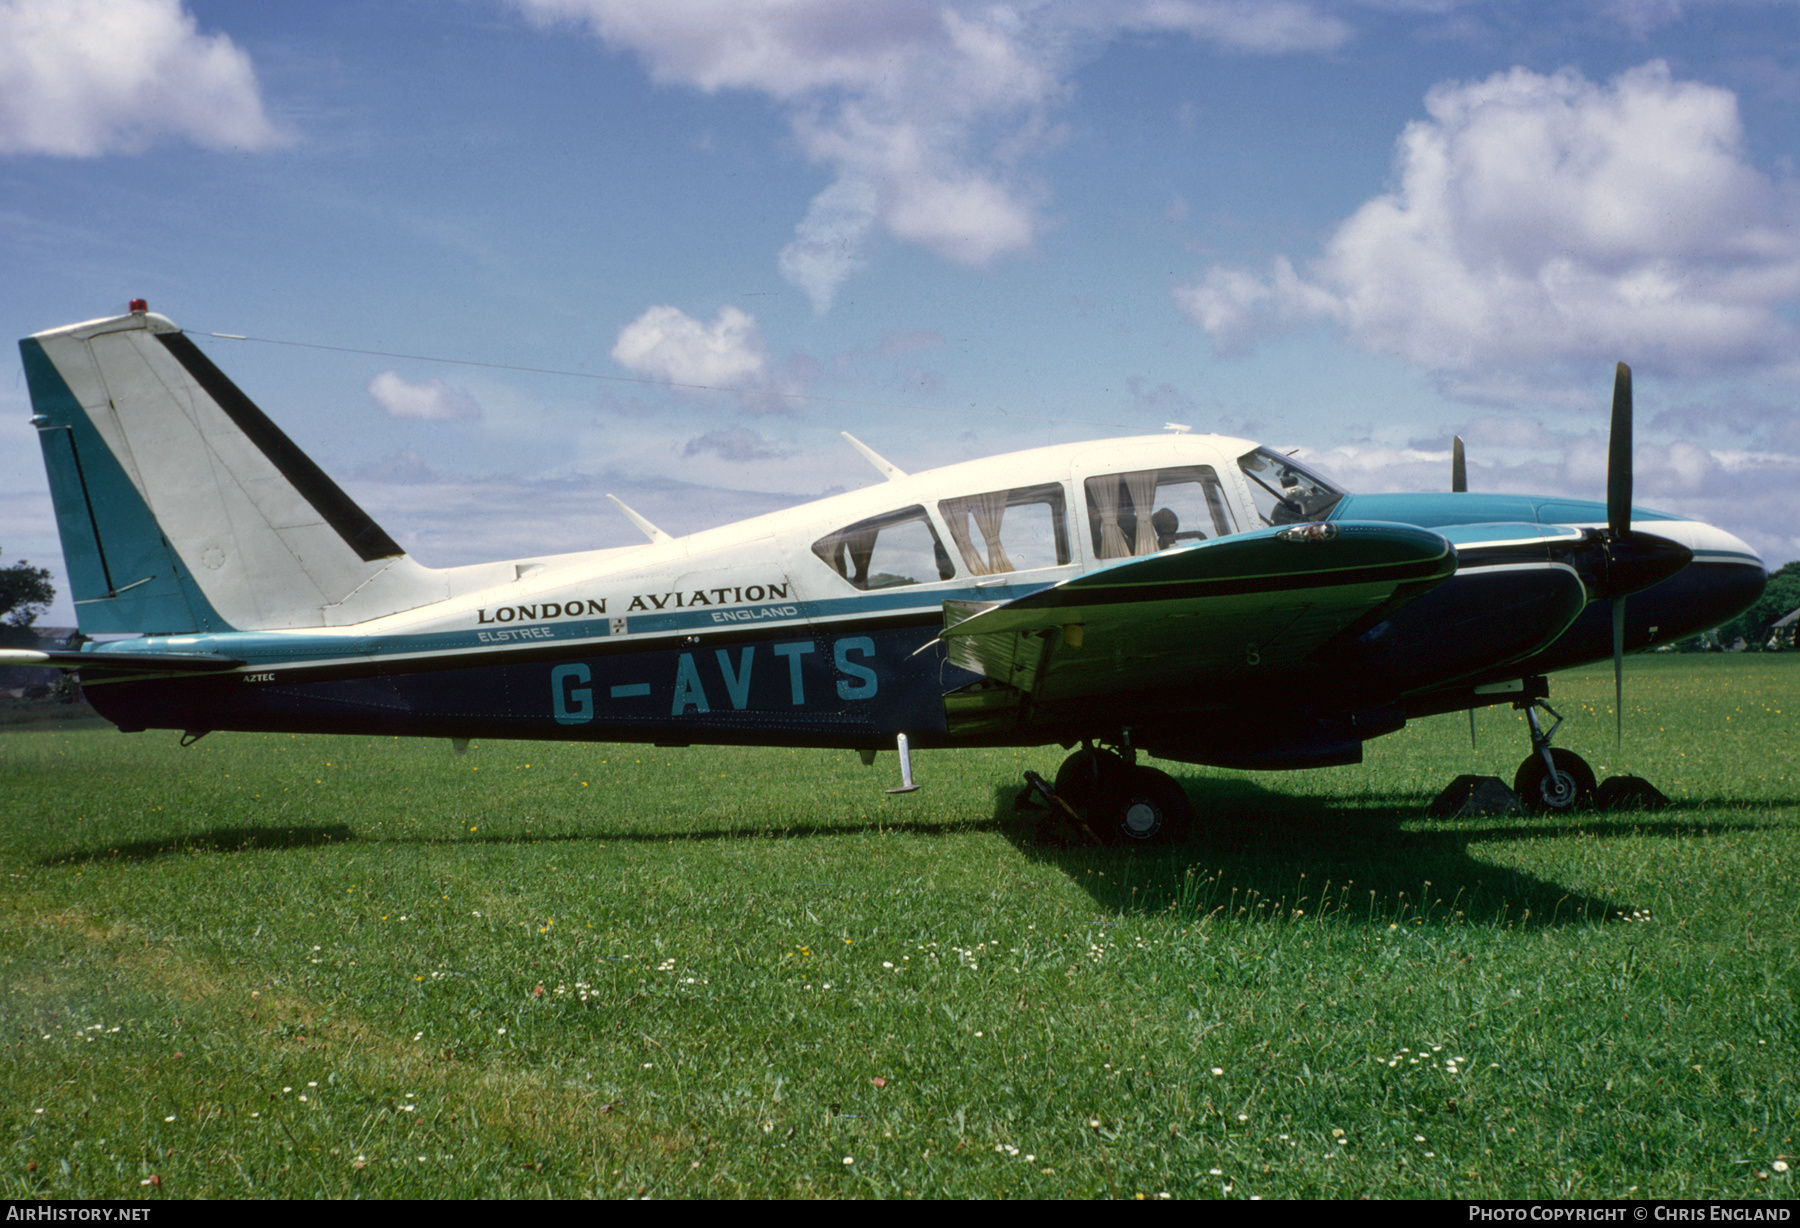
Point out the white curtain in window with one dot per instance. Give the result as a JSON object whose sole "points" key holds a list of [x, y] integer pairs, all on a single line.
{"points": [[1142, 486], [1104, 492], [989, 510], [862, 549], [956, 515]]}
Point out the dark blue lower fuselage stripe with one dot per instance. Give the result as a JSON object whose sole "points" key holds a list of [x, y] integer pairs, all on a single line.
{"points": [[828, 689]]}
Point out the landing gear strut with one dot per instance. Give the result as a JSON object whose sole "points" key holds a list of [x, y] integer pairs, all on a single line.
{"points": [[1551, 778], [1123, 803]]}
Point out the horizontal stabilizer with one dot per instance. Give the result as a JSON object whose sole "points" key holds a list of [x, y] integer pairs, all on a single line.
{"points": [[113, 663]]}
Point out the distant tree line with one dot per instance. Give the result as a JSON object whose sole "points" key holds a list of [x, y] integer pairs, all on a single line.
{"points": [[25, 593], [1754, 630]]}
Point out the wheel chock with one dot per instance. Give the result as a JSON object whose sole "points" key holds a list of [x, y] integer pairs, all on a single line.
{"points": [[1629, 793], [1469, 796], [1058, 808]]}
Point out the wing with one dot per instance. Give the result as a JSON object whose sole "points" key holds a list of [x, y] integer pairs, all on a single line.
{"points": [[1248, 607]]}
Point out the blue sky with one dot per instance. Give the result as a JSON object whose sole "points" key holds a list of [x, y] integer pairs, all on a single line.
{"points": [[952, 229]]}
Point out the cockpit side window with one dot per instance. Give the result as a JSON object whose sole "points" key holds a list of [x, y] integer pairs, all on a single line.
{"points": [[888, 551], [1285, 491], [1153, 509], [1009, 530]]}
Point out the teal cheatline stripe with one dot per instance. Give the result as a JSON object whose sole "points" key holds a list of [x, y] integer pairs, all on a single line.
{"points": [[124, 576], [261, 648]]}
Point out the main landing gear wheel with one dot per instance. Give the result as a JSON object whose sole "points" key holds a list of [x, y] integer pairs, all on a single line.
{"points": [[1088, 774], [1149, 809], [1571, 785], [1124, 804]]}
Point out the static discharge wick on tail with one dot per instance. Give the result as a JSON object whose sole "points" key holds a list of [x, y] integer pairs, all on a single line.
{"points": [[1189, 597]]}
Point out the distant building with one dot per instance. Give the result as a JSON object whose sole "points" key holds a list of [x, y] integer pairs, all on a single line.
{"points": [[1781, 631]]}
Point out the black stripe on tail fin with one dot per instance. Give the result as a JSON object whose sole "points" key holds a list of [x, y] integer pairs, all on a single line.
{"points": [[337, 509]]}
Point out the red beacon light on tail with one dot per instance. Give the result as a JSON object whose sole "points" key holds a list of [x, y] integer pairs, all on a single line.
{"points": [[138, 304]]}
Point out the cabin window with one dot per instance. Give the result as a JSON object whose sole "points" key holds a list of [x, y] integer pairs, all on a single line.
{"points": [[1010, 530], [1285, 491], [1150, 510], [887, 551]]}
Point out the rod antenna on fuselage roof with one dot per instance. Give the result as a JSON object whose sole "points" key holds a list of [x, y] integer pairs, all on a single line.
{"points": [[888, 468], [649, 530]]}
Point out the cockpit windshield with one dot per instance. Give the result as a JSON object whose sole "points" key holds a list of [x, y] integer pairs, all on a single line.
{"points": [[1286, 492]]}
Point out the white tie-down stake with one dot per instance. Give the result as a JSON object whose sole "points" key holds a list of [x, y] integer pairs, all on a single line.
{"points": [[906, 780]]}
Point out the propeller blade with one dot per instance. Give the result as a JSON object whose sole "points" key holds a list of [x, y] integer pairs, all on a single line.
{"points": [[1618, 613], [1619, 546], [1471, 729], [1618, 458], [1459, 471]]}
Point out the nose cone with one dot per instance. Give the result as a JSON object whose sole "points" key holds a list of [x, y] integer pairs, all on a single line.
{"points": [[1724, 579], [1736, 573]]}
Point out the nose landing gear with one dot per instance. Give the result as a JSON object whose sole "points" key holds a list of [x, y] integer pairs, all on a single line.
{"points": [[1551, 779]]}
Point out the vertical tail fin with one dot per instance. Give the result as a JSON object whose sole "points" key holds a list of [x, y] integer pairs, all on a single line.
{"points": [[183, 508]]}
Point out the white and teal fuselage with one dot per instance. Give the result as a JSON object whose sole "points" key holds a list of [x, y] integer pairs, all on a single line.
{"points": [[261, 597]]}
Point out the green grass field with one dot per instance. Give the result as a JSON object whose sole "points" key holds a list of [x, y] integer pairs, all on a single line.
{"points": [[318, 967]]}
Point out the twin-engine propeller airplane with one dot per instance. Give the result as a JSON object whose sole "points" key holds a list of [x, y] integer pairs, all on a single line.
{"points": [[1190, 597]]}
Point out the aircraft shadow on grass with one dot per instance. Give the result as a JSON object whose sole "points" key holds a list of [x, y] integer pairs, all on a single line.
{"points": [[1256, 853], [272, 839], [1253, 848], [239, 839]]}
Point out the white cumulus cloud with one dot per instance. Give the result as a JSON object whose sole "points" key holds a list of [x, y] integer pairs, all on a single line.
{"points": [[80, 78], [667, 343], [923, 110], [433, 401], [828, 243], [1549, 219]]}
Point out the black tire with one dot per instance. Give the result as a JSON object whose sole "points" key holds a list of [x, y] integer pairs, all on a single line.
{"points": [[1572, 786], [1086, 773], [1145, 806]]}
